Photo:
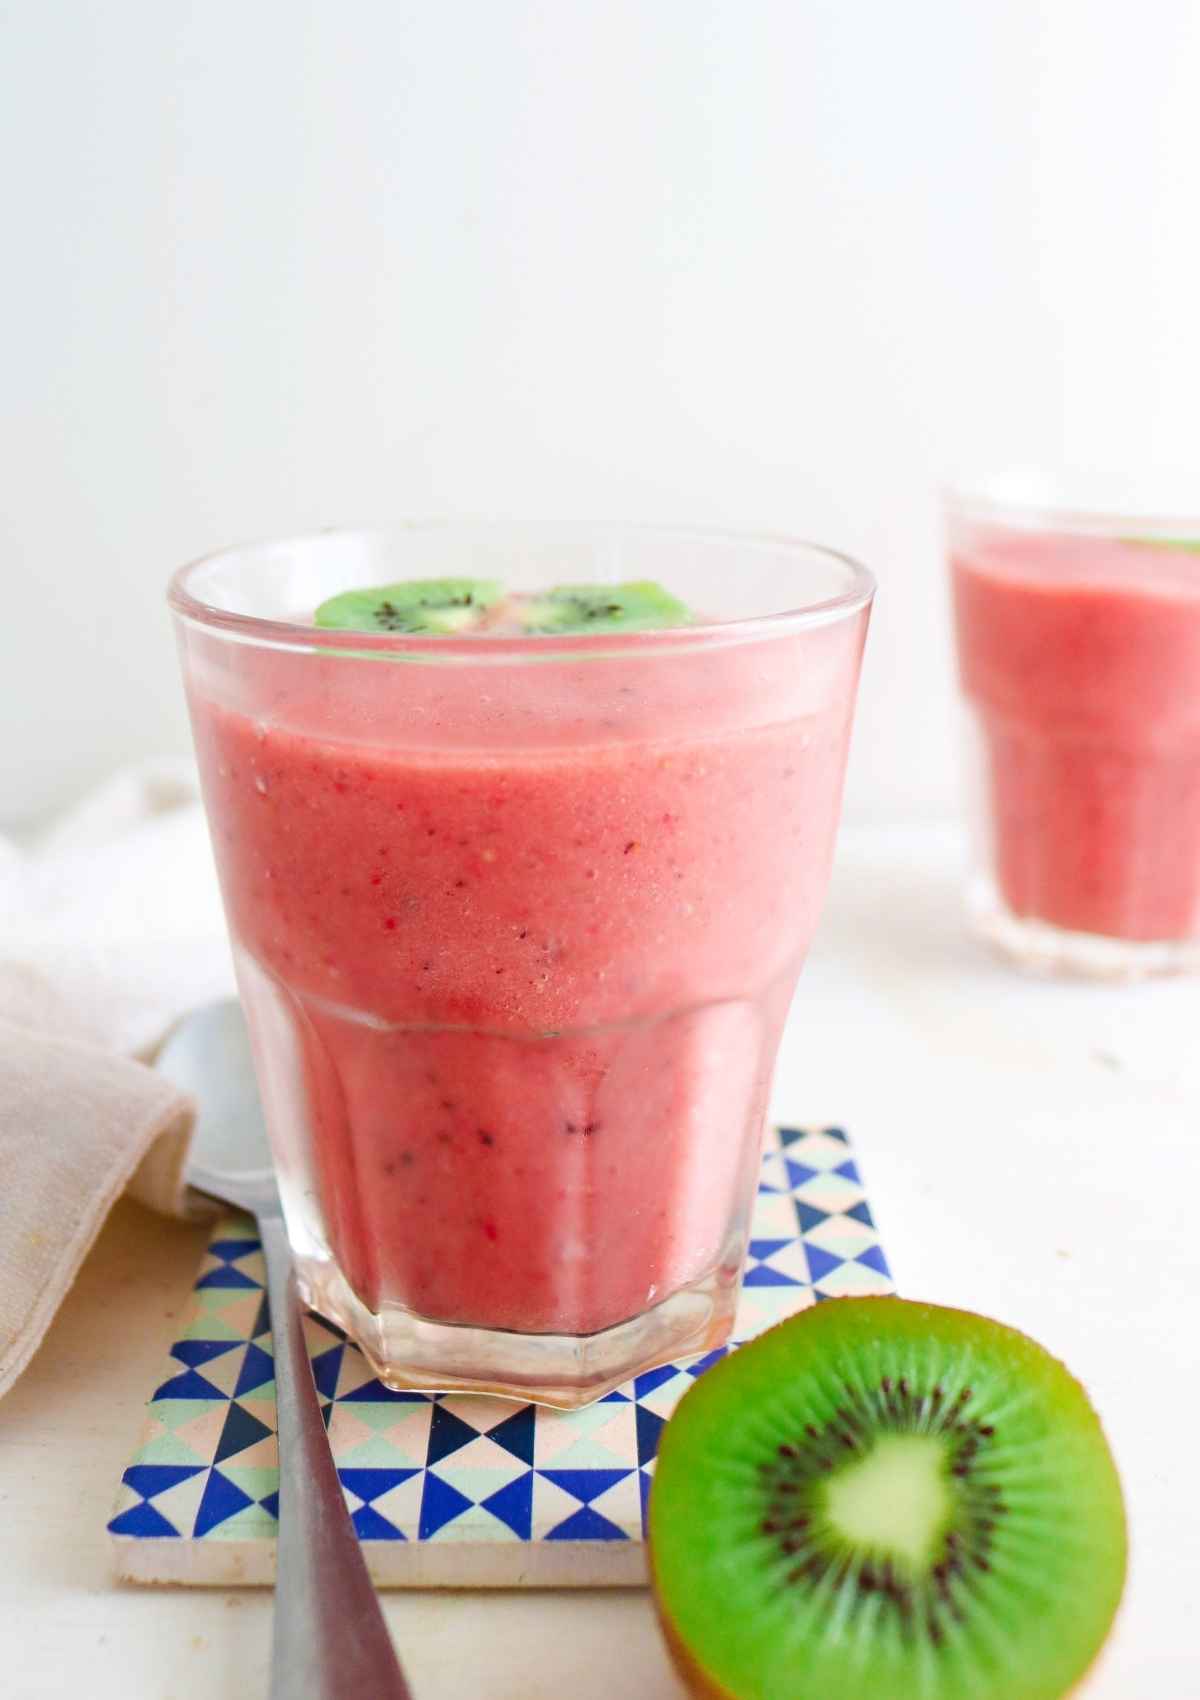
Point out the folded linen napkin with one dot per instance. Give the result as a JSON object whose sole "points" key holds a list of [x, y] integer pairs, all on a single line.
{"points": [[110, 930]]}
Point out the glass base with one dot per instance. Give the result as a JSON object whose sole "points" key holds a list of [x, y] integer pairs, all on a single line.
{"points": [[407, 1351], [1039, 948]]}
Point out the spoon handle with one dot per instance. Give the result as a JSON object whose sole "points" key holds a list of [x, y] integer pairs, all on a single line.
{"points": [[330, 1639]]}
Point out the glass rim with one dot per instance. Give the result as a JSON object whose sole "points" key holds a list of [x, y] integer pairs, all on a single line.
{"points": [[998, 499], [292, 635]]}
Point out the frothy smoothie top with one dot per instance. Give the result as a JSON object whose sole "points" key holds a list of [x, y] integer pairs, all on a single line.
{"points": [[1057, 560]]}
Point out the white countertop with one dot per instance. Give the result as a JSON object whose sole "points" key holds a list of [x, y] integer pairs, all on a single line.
{"points": [[1031, 1150]]}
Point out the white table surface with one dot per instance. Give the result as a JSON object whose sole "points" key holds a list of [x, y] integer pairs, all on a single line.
{"points": [[1031, 1151]]}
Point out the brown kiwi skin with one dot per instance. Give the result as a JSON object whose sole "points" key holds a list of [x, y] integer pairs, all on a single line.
{"points": [[696, 1681]]}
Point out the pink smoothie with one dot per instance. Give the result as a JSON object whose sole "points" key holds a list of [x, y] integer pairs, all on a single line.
{"points": [[529, 939], [1081, 657]]}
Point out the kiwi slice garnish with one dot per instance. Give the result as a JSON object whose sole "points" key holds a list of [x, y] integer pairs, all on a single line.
{"points": [[639, 606], [879, 1497], [462, 606], [436, 605]]}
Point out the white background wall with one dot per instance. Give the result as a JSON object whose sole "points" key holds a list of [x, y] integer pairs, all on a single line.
{"points": [[273, 264]]}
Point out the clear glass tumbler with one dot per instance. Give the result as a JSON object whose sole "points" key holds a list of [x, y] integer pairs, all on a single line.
{"points": [[1079, 657], [517, 921]]}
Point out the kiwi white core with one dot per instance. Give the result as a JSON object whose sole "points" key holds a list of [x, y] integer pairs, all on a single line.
{"points": [[896, 1501]]}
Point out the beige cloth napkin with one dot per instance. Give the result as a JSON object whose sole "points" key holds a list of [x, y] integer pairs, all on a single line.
{"points": [[110, 930]]}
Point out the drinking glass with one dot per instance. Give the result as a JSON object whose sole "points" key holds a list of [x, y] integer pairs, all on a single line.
{"points": [[1079, 657], [516, 923]]}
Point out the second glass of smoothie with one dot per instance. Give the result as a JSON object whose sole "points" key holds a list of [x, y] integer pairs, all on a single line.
{"points": [[517, 920], [1079, 655]]}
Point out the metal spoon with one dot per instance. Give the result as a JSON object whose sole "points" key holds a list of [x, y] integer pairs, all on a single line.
{"points": [[330, 1640]]}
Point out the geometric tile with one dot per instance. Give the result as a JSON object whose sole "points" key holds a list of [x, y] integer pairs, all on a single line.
{"points": [[551, 1506], [513, 1505], [179, 1504], [842, 1235], [587, 1524], [463, 1476], [220, 1500], [241, 1430], [226, 1371], [401, 1505], [829, 1192], [142, 1521], [441, 1503], [851, 1280]]}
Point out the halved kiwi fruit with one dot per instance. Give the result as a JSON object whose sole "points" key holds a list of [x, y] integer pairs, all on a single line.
{"points": [[879, 1497], [460, 606]]}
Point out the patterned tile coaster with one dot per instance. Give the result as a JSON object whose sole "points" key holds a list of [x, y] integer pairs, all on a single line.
{"points": [[451, 1490]]}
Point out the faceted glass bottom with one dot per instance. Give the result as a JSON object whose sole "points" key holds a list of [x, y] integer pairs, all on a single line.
{"points": [[407, 1351], [1039, 948]]}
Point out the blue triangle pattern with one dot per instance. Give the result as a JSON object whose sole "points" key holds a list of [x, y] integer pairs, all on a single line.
{"points": [[227, 1276], [707, 1361], [766, 1248], [144, 1521], [193, 1352], [762, 1275], [649, 1426], [790, 1135], [586, 1525], [371, 1526], [369, 1484], [874, 1259], [230, 1250], [861, 1213], [836, 1133], [809, 1216], [258, 1367], [440, 1504], [149, 1479], [326, 1368], [221, 1499], [242, 1429], [585, 1484], [850, 1170], [820, 1263], [271, 1504], [797, 1173], [516, 1434], [645, 1482], [374, 1392], [653, 1378], [189, 1385], [513, 1505], [446, 1434]]}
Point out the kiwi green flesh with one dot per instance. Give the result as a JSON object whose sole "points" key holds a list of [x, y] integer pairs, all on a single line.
{"points": [[435, 605], [637, 606], [880, 1497]]}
